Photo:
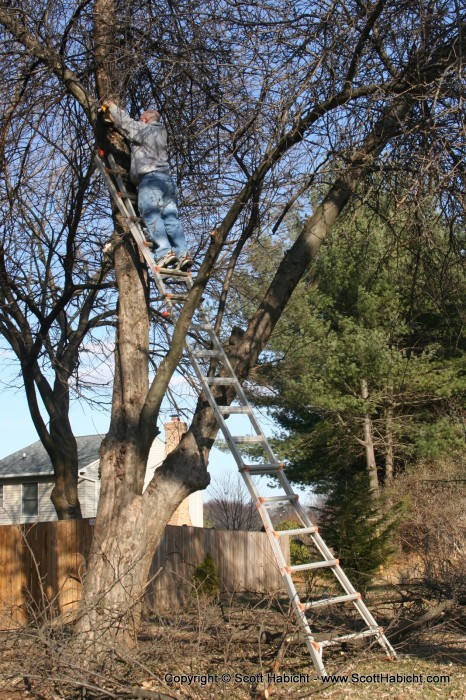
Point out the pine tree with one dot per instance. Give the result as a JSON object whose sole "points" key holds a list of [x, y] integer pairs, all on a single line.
{"points": [[368, 372], [358, 528], [372, 341], [205, 578]]}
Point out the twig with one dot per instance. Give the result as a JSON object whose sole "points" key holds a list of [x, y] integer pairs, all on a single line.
{"points": [[128, 693], [424, 619]]}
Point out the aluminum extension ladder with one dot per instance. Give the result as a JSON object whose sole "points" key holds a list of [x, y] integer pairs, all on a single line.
{"points": [[202, 347]]}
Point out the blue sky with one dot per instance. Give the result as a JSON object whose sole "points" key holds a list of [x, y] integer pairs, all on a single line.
{"points": [[17, 430]]}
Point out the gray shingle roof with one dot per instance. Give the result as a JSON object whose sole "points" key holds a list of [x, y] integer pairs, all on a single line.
{"points": [[34, 460]]}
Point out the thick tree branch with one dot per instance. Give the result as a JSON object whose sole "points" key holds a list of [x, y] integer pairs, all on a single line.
{"points": [[245, 353], [51, 59]]}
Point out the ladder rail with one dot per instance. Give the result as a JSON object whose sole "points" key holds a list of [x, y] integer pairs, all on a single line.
{"points": [[228, 378], [129, 215], [241, 396]]}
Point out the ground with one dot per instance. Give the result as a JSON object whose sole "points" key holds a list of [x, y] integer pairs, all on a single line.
{"points": [[227, 649]]}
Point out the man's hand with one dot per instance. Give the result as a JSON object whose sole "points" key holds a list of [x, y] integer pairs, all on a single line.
{"points": [[105, 109]]}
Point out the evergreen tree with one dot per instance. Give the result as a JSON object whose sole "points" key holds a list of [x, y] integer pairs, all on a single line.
{"points": [[205, 578], [372, 350], [368, 371], [359, 529]]}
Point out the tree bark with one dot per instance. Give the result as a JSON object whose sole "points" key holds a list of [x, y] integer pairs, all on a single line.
{"points": [[389, 447], [369, 445], [129, 525]]}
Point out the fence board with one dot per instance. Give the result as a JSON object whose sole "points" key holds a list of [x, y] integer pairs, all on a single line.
{"points": [[42, 566], [12, 609]]}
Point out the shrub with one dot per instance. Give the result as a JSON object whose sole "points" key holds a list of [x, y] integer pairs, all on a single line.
{"points": [[205, 578], [433, 534]]}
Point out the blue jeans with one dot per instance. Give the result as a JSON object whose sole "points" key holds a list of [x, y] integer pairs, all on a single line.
{"points": [[158, 206]]}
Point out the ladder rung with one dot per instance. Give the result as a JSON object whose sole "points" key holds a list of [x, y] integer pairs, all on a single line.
{"points": [[331, 601], [355, 635], [221, 381], [300, 531], [200, 327], [276, 499], [176, 297], [247, 439], [234, 409], [169, 272], [315, 565], [127, 195], [207, 353], [134, 219], [257, 469]]}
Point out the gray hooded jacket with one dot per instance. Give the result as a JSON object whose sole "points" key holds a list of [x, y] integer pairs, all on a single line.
{"points": [[148, 144]]}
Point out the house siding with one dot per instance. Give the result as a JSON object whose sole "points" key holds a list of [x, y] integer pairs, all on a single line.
{"points": [[10, 513], [154, 460], [196, 508], [11, 510], [46, 507], [89, 489], [190, 512]]}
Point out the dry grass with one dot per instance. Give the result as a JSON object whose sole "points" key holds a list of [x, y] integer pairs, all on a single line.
{"points": [[421, 603], [243, 635]]}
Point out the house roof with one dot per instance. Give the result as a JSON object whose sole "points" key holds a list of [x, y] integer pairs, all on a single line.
{"points": [[33, 460]]}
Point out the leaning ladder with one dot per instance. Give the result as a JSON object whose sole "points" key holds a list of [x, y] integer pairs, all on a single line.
{"points": [[202, 348]]}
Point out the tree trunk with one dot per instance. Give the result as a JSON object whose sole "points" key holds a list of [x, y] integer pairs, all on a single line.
{"points": [[128, 527], [369, 445], [64, 455], [58, 439], [389, 449], [64, 494]]}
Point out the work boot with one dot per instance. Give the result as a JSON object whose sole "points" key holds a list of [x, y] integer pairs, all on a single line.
{"points": [[168, 260], [185, 263]]}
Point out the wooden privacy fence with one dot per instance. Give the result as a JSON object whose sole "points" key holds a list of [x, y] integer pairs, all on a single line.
{"points": [[42, 566], [244, 562]]}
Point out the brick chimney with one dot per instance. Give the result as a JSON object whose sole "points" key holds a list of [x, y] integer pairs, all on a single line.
{"points": [[174, 431]]}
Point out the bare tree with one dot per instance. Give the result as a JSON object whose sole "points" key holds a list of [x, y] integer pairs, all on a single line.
{"points": [[230, 506], [265, 100], [55, 286]]}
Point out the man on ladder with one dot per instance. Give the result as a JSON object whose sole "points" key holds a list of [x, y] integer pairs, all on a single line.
{"points": [[157, 191]]}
